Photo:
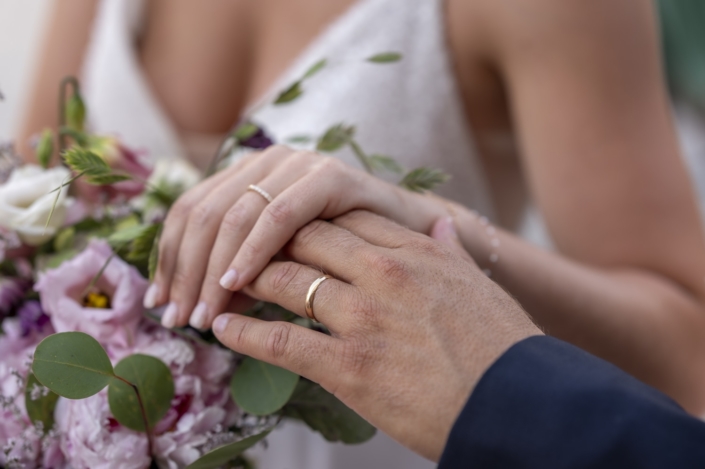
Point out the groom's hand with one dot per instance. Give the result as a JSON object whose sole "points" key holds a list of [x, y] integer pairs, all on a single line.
{"points": [[414, 323]]}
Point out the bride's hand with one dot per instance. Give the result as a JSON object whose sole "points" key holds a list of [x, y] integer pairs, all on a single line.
{"points": [[219, 236]]}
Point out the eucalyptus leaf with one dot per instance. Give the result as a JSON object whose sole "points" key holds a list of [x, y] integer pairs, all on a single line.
{"points": [[315, 68], [423, 179], [40, 402], [72, 364], [153, 381], [384, 163], [45, 148], [324, 413], [222, 455], [289, 94], [260, 388], [64, 239], [385, 58], [335, 138], [127, 234]]}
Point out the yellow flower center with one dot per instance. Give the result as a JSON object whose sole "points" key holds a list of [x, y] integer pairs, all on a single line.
{"points": [[96, 300]]}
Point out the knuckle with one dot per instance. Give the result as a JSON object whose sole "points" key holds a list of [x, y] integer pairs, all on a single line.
{"points": [[233, 218], [201, 214], [180, 209], [279, 212], [331, 164], [304, 156], [390, 267], [283, 277], [277, 339]]}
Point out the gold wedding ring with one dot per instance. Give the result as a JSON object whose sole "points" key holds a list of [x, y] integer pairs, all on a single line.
{"points": [[312, 294], [260, 191]]}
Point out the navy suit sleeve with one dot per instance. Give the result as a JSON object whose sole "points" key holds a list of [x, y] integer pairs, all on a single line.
{"points": [[547, 404]]}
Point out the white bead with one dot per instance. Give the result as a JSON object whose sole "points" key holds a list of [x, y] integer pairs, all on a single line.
{"points": [[495, 242], [484, 220], [494, 258]]}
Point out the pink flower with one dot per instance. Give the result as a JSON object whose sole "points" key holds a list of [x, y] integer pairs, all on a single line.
{"points": [[88, 440], [62, 291], [201, 410], [20, 441]]}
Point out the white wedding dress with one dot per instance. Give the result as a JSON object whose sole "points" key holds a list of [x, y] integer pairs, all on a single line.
{"points": [[410, 110]]}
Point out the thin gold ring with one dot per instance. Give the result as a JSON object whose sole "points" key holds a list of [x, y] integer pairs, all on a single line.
{"points": [[311, 295], [260, 191]]}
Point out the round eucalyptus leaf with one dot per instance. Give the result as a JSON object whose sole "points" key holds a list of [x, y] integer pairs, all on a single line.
{"points": [[220, 456], [154, 383], [40, 402], [260, 388], [72, 364]]}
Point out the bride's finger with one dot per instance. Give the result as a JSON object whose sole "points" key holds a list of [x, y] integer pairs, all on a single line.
{"points": [[197, 234], [288, 283], [234, 227], [324, 193], [173, 232], [305, 352]]}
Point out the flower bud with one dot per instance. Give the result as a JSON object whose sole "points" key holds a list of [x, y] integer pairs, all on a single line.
{"points": [[75, 112], [45, 148]]}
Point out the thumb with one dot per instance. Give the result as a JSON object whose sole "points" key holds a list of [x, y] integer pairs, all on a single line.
{"points": [[444, 231]]}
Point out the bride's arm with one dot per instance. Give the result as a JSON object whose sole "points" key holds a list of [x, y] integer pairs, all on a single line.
{"points": [[63, 48], [600, 154]]}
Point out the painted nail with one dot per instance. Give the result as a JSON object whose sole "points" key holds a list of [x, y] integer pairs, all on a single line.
{"points": [[220, 323], [444, 229], [198, 317], [169, 318], [228, 280], [150, 297]]}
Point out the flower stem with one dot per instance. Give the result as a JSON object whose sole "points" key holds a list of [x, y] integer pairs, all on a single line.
{"points": [[148, 431], [65, 83]]}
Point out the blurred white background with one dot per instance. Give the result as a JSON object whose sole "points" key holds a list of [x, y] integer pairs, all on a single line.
{"points": [[21, 27]]}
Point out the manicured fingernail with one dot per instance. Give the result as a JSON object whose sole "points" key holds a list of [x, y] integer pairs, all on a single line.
{"points": [[220, 323], [169, 318], [228, 280], [444, 229], [198, 317], [150, 297]]}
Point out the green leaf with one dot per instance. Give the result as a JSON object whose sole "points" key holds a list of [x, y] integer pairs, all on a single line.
{"points": [[154, 383], [245, 131], [315, 68], [81, 138], [72, 364], [45, 148], [40, 402], [423, 179], [385, 58], [324, 413], [260, 388], [107, 179], [220, 456], [64, 239], [384, 163], [335, 138], [289, 94], [153, 260], [141, 246], [127, 234], [55, 260], [92, 166], [75, 112], [299, 139]]}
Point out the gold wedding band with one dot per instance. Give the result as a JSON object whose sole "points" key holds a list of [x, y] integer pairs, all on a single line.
{"points": [[312, 294], [261, 192]]}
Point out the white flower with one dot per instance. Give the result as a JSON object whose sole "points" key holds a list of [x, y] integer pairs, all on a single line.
{"points": [[175, 172], [26, 200]]}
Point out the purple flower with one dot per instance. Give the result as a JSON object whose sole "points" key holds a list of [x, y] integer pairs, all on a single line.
{"points": [[32, 317], [258, 141], [12, 290], [110, 312]]}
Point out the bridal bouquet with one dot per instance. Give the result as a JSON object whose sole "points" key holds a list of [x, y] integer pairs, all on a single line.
{"points": [[88, 377]]}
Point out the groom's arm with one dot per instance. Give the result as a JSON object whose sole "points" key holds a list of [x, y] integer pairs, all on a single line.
{"points": [[545, 403]]}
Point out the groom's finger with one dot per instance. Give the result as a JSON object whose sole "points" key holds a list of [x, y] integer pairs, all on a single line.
{"points": [[376, 229], [300, 350], [288, 283]]}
